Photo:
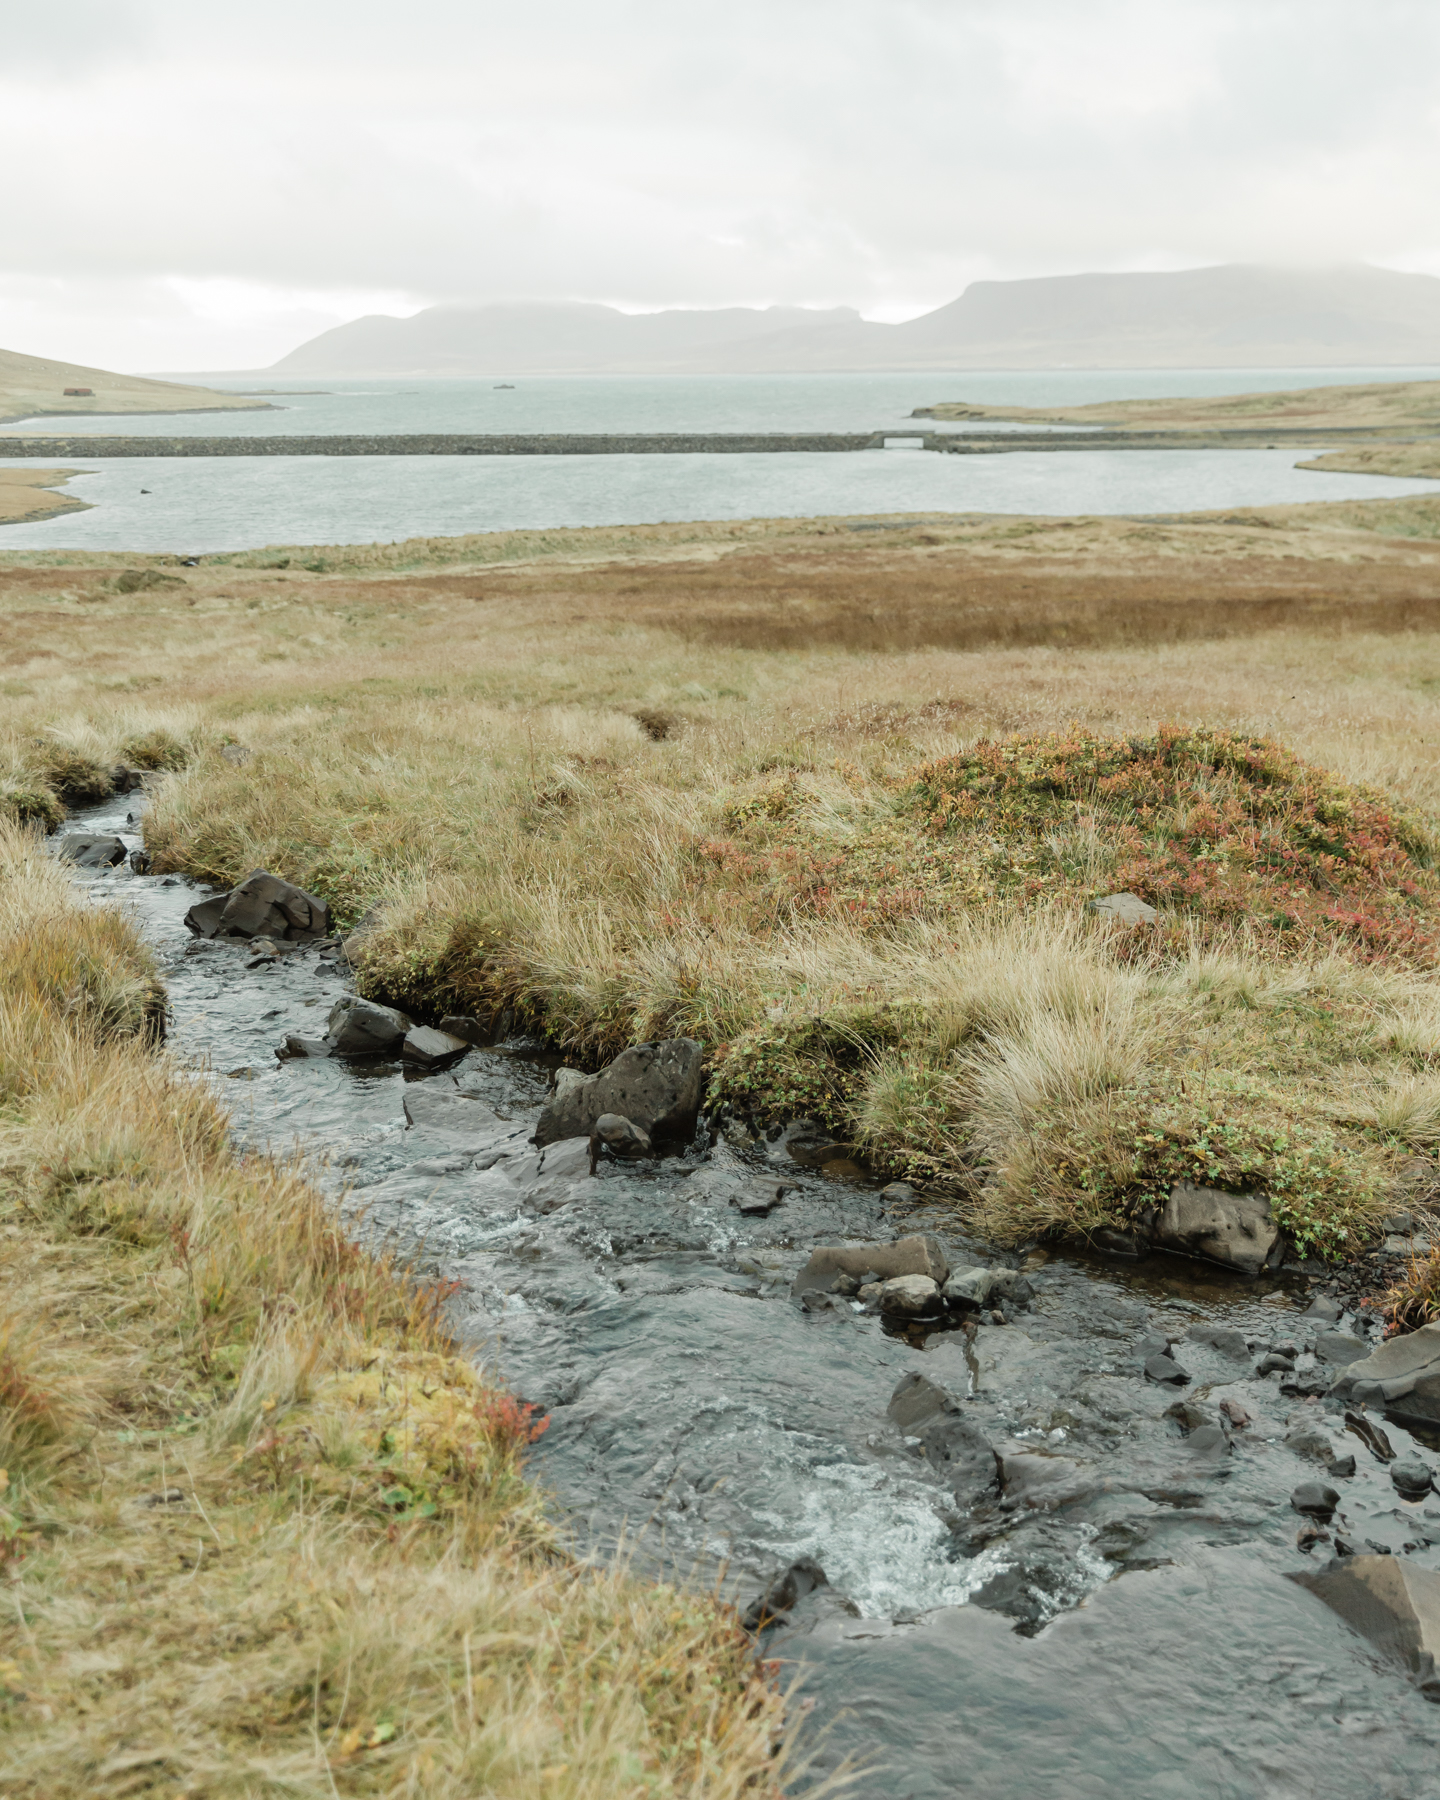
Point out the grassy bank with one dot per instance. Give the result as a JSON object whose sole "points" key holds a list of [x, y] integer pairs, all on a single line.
{"points": [[833, 796], [264, 1530]]}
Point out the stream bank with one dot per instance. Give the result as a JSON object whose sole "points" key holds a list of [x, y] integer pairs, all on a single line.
{"points": [[1124, 1626]]}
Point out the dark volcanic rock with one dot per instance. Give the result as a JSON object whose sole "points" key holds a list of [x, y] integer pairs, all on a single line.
{"points": [[430, 1048], [1165, 1369], [90, 851], [1315, 1498], [1391, 1601], [785, 1592], [954, 1446], [657, 1086], [1412, 1478], [363, 1028], [1233, 1229], [1403, 1376]]}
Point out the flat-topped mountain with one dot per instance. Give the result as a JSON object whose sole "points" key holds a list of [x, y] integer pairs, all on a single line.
{"points": [[1235, 316], [34, 385]]}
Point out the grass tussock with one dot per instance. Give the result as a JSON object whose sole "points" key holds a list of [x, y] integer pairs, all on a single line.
{"points": [[264, 1529]]}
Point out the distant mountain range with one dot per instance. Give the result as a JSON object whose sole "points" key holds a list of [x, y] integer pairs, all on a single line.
{"points": [[1235, 316]]}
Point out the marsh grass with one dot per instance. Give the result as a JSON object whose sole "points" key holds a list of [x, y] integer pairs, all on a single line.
{"points": [[805, 868], [264, 1529]]}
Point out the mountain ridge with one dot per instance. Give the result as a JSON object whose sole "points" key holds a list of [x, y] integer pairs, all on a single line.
{"points": [[1229, 316]]}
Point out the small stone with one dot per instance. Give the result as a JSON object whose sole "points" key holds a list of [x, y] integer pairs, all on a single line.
{"points": [[302, 1046], [1238, 1416], [1224, 1338], [908, 1295], [90, 851], [1188, 1416], [757, 1198], [1310, 1443], [1208, 1439], [363, 1028], [1276, 1363], [1166, 1370], [898, 1193], [1339, 1348], [1413, 1478], [1341, 1468], [1325, 1307], [1316, 1499], [1125, 909], [460, 1025], [969, 1288], [620, 1136], [778, 1601]]}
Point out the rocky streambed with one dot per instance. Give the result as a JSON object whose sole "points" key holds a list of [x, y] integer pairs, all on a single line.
{"points": [[1039, 1529]]}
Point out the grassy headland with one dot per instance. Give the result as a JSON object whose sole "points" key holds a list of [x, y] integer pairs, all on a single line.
{"points": [[1409, 407], [32, 386], [27, 494], [833, 796], [264, 1528]]}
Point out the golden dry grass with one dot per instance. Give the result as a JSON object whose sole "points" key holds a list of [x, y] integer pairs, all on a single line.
{"points": [[27, 494], [263, 1528], [34, 385], [1381, 459], [1406, 405], [522, 748]]}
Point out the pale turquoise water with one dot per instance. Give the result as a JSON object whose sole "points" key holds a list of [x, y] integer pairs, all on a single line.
{"points": [[195, 505], [692, 402]]}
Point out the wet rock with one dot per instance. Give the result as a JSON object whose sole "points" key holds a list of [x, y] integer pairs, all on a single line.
{"points": [[1339, 1348], [1275, 1363], [784, 1594], [264, 905], [1115, 1242], [141, 862], [1011, 1286], [126, 780], [1235, 1230], [620, 1136], [1402, 1376], [563, 1168], [295, 1045], [1309, 1535], [970, 1288], [1209, 1440], [804, 1142], [1412, 1478], [203, 917], [1188, 1416], [1166, 1370], [1125, 909], [89, 850], [952, 1444], [1037, 1478], [1370, 1434], [365, 1028], [656, 1085], [1237, 1414], [1316, 1499], [908, 1296], [1224, 1338], [1307, 1441], [756, 1198], [898, 1193], [1325, 1307], [1341, 1468], [921, 1254], [468, 1030], [1391, 1601], [438, 1110], [430, 1048]]}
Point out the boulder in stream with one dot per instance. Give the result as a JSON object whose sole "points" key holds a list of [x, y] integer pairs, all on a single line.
{"points": [[953, 1445], [430, 1048], [907, 1296], [620, 1136], [921, 1254], [1233, 1229], [1391, 1601], [91, 850], [262, 905], [656, 1086], [365, 1028], [1402, 1376], [784, 1594]]}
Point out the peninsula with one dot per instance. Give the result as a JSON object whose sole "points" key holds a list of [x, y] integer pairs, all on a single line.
{"points": [[32, 386]]}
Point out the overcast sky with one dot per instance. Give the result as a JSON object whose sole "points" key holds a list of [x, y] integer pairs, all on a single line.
{"points": [[202, 186]]}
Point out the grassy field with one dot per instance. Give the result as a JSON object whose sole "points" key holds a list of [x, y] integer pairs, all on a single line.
{"points": [[834, 797], [264, 1530], [1409, 407]]}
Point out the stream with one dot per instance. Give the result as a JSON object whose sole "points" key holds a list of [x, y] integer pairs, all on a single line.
{"points": [[1120, 1625]]}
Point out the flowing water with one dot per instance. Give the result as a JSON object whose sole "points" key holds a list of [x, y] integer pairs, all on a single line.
{"points": [[1135, 1638]]}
